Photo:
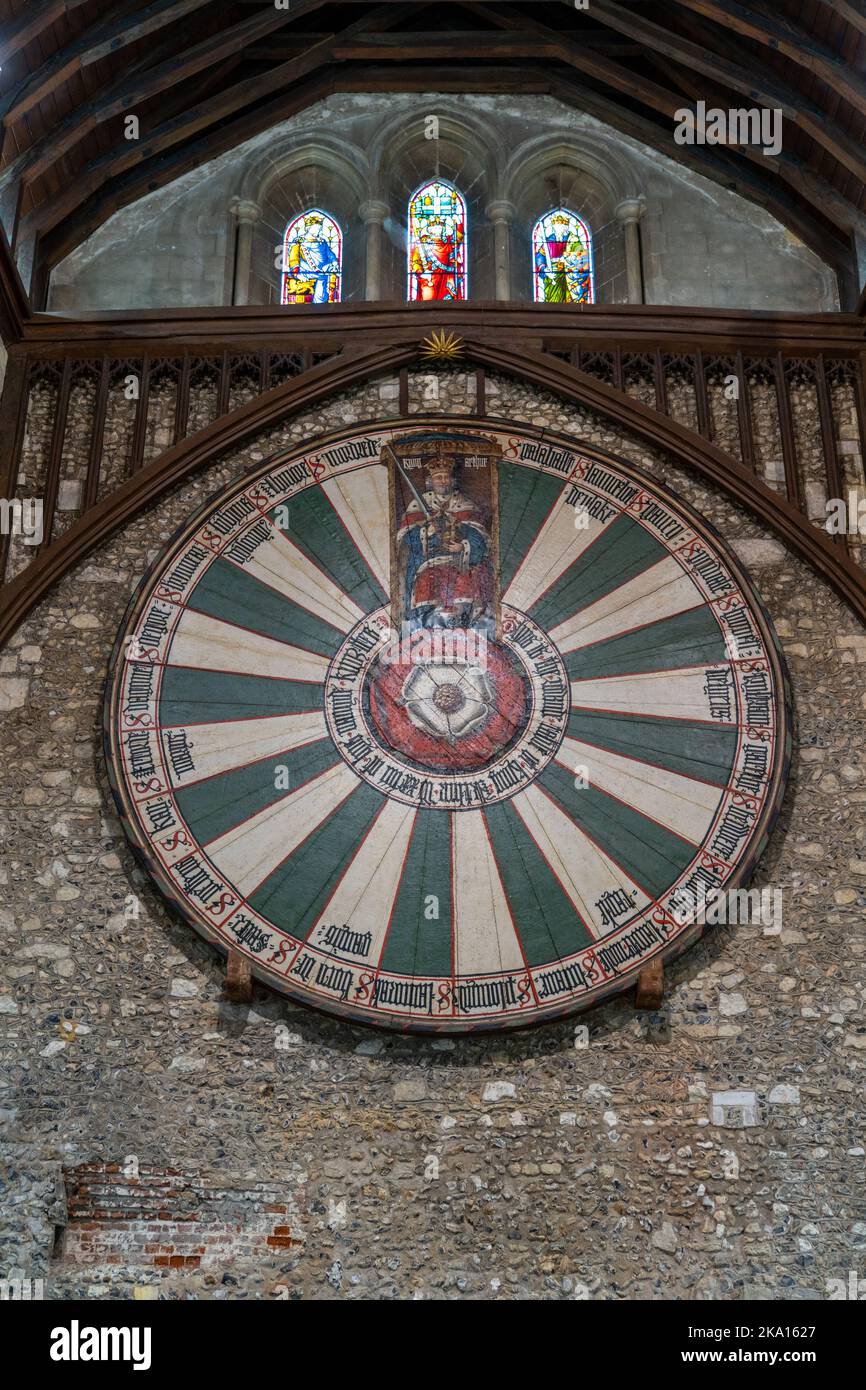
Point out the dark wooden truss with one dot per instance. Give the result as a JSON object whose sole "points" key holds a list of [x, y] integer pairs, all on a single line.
{"points": [[204, 75]]}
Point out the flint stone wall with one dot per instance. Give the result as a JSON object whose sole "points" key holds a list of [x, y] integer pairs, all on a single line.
{"points": [[714, 1149]]}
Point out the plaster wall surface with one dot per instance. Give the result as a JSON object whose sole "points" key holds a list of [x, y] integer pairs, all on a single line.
{"points": [[702, 244], [556, 1163]]}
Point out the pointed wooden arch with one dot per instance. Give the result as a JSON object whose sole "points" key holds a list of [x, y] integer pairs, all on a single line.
{"points": [[548, 373]]}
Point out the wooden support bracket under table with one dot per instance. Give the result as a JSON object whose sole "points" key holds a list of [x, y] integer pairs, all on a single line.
{"points": [[650, 986]]}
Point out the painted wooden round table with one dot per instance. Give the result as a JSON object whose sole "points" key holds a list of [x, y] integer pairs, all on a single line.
{"points": [[447, 724]]}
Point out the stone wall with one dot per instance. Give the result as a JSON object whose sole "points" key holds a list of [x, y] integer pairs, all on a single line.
{"points": [[702, 244], [547, 1164]]}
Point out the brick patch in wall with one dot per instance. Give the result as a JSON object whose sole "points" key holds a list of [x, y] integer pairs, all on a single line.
{"points": [[166, 1219]]}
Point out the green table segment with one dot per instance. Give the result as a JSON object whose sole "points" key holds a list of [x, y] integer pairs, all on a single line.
{"points": [[447, 724]]}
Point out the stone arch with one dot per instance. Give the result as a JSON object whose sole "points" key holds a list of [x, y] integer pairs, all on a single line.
{"points": [[602, 159], [593, 177], [301, 173], [402, 158]]}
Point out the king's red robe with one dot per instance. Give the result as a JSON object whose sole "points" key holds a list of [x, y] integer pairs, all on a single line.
{"points": [[436, 575]]}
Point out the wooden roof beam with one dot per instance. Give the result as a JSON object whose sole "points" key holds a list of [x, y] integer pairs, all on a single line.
{"points": [[30, 22], [817, 190], [286, 46], [852, 11], [415, 46], [759, 85], [782, 36], [97, 42], [207, 115], [129, 91]]}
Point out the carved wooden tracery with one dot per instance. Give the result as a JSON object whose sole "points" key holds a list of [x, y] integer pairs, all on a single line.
{"points": [[632, 386]]}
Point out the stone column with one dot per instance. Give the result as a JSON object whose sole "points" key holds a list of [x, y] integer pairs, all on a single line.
{"points": [[246, 215], [501, 214], [629, 213], [373, 214]]}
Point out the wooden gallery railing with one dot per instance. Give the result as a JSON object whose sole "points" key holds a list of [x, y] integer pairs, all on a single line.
{"points": [[85, 424], [90, 404]]}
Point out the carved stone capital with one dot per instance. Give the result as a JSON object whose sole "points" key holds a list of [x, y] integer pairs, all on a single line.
{"points": [[373, 211], [245, 211], [630, 210], [501, 211]]}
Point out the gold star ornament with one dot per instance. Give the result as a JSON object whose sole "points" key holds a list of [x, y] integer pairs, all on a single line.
{"points": [[442, 347]]}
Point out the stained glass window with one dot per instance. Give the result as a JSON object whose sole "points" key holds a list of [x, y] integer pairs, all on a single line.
{"points": [[312, 260], [437, 243], [562, 259]]}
